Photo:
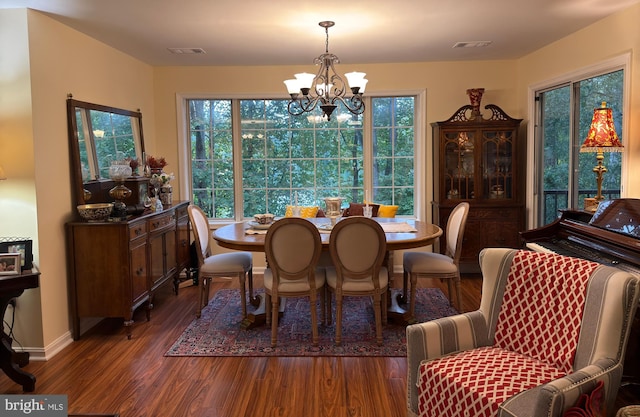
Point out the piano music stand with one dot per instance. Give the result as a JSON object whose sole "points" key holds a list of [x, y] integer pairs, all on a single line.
{"points": [[12, 286]]}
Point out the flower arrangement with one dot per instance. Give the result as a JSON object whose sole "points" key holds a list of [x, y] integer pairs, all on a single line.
{"points": [[161, 180], [156, 163]]}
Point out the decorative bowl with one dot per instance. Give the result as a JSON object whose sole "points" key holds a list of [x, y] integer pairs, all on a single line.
{"points": [[266, 218], [95, 212]]}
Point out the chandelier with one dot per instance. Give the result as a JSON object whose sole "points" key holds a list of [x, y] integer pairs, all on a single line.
{"points": [[327, 87]]}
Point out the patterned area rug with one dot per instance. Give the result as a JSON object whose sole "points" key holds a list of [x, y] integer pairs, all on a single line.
{"points": [[218, 333]]}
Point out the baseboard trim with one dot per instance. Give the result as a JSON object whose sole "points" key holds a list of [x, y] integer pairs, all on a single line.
{"points": [[38, 354]]}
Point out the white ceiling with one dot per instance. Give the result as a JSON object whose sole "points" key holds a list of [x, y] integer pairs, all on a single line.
{"points": [[275, 32]]}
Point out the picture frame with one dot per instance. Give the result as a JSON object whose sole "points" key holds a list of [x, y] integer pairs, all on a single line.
{"points": [[24, 246], [10, 263]]}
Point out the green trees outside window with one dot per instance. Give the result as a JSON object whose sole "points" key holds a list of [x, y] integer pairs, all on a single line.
{"points": [[281, 158]]}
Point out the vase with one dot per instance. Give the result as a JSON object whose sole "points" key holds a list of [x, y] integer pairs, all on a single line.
{"points": [[475, 97], [166, 194], [155, 170]]}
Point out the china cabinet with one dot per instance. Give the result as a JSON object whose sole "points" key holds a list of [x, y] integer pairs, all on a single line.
{"points": [[476, 159]]}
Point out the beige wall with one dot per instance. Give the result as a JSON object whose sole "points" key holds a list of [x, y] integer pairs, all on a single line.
{"points": [[45, 60], [50, 61], [445, 84]]}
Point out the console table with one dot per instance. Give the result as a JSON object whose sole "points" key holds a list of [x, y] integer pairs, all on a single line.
{"points": [[116, 267], [12, 286]]}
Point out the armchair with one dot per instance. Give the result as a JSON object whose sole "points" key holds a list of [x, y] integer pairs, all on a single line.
{"points": [[548, 329]]}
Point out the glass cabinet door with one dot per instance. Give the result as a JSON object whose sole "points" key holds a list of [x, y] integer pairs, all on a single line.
{"points": [[459, 165], [497, 154]]}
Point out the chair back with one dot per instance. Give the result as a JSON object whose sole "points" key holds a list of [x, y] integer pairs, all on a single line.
{"points": [[455, 231], [200, 223], [293, 246], [358, 247]]}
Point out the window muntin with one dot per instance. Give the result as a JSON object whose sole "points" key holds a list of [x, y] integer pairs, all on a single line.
{"points": [[285, 156]]}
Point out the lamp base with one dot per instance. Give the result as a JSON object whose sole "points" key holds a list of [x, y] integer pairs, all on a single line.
{"points": [[591, 204]]}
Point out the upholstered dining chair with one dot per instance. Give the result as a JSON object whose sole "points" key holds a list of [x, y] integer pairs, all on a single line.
{"points": [[549, 330], [292, 246], [358, 249], [436, 265], [239, 264]]}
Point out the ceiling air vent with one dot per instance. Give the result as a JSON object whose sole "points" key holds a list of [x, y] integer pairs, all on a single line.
{"points": [[472, 44], [180, 51]]}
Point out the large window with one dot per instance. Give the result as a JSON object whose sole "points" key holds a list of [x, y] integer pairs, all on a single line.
{"points": [[250, 156], [565, 175]]}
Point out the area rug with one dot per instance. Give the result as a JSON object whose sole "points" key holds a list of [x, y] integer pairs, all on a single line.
{"points": [[218, 332]]}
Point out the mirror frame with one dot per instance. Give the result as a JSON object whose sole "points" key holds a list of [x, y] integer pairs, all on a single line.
{"points": [[74, 147]]}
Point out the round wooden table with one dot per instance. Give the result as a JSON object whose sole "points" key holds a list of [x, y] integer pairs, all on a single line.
{"points": [[235, 236]]}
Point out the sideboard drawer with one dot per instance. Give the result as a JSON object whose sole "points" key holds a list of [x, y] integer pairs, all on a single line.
{"points": [[137, 230], [162, 221]]}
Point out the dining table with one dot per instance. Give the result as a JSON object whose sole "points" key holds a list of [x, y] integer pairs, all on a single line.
{"points": [[400, 233]]}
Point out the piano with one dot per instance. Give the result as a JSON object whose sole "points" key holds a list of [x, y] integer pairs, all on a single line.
{"points": [[610, 236]]}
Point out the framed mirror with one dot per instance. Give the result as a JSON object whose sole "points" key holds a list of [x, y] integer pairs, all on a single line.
{"points": [[98, 136]]}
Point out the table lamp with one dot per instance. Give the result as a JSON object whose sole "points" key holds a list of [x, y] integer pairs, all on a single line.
{"points": [[602, 137]]}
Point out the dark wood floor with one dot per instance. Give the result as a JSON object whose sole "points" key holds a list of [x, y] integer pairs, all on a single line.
{"points": [[106, 373]]}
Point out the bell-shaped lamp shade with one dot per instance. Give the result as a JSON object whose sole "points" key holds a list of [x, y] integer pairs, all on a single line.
{"points": [[293, 86], [356, 80], [305, 80], [3, 176], [602, 136]]}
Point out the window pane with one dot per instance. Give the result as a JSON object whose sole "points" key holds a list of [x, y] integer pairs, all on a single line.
{"points": [[393, 152], [212, 156], [593, 91], [567, 175]]}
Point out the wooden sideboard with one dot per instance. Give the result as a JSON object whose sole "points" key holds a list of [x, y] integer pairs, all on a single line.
{"points": [[116, 267]]}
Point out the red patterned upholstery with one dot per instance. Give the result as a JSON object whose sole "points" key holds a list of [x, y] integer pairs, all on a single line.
{"points": [[532, 341], [544, 293], [475, 382]]}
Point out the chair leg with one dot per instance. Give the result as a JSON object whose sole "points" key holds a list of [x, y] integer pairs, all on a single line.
{"points": [[338, 318], [383, 306], [458, 297], [450, 289], [323, 304], [203, 299], [329, 312], [243, 296], [377, 309], [267, 308], [314, 317], [412, 300], [274, 320]]}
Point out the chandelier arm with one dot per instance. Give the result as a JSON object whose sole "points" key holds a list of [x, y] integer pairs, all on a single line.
{"points": [[354, 104], [302, 105]]}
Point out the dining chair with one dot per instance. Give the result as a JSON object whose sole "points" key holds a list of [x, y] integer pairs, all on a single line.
{"points": [[436, 265], [292, 246], [358, 248], [239, 264]]}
